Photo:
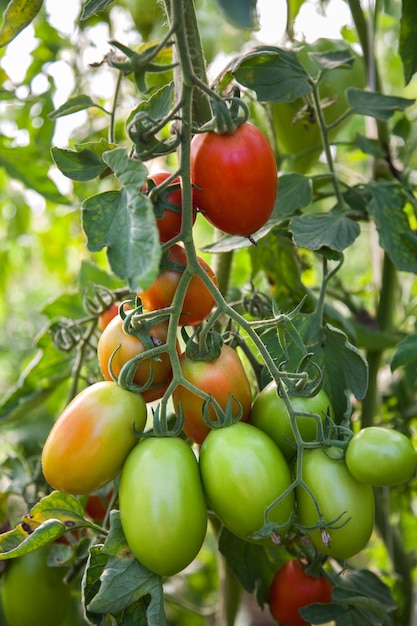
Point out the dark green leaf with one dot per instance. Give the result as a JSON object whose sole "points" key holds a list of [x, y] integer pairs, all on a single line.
{"points": [[330, 230], [406, 353], [408, 39], [240, 13], [364, 583], [333, 59], [274, 74], [294, 192], [395, 234], [94, 6], [368, 146], [375, 104], [17, 15], [73, 105], [81, 166]]}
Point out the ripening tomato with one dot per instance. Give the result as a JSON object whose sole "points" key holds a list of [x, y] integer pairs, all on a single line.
{"points": [[235, 179], [380, 456], [244, 472], [106, 317], [169, 213], [347, 505], [163, 510], [32, 592], [269, 413], [292, 589], [92, 437], [198, 300], [120, 347], [221, 378]]}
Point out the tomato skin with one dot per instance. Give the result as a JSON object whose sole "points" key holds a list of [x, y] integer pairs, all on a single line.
{"points": [[169, 225], [243, 472], [33, 592], [219, 378], [291, 589], [381, 457], [269, 413], [337, 494], [106, 317], [163, 510], [131, 346], [235, 179], [90, 440], [198, 300]]}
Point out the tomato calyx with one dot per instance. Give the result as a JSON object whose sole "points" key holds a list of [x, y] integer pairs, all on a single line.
{"points": [[203, 345], [228, 113]]}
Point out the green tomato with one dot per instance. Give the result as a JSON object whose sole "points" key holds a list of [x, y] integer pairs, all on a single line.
{"points": [[381, 457], [33, 593], [270, 414], [345, 504], [163, 510], [92, 437], [244, 472]]}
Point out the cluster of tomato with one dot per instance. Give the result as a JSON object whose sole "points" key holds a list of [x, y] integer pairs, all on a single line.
{"points": [[244, 469]]}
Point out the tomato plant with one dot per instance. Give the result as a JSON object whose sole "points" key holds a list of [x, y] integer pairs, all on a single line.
{"points": [[92, 437], [32, 592], [162, 506], [380, 456], [198, 301], [106, 317], [292, 588], [168, 208], [269, 413], [116, 347], [345, 504], [244, 472], [222, 378], [235, 179]]}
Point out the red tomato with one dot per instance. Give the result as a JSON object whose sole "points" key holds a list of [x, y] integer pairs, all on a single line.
{"points": [[291, 589], [198, 300], [129, 346], [235, 179], [168, 218], [221, 378]]}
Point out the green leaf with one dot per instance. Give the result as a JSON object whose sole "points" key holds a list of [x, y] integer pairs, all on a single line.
{"points": [[274, 74], [406, 353], [94, 6], [82, 164], [333, 59], [124, 222], [408, 39], [375, 104], [396, 237], [364, 583], [330, 230], [17, 15], [73, 105], [240, 13], [368, 146]]}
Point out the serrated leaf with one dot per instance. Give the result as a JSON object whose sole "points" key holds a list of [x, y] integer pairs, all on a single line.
{"points": [[396, 237], [124, 222], [274, 74], [80, 166], [330, 230], [408, 39], [74, 105], [17, 15], [375, 104], [406, 353], [240, 13]]}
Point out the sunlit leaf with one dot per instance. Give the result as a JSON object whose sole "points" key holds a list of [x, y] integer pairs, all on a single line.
{"points": [[92, 7], [74, 105], [17, 15]]}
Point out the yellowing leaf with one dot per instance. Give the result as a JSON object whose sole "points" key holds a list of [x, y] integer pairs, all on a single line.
{"points": [[18, 14]]}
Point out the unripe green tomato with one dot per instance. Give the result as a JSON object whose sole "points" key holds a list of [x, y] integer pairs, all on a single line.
{"points": [[270, 414], [347, 506], [381, 457], [148, 15], [33, 593]]}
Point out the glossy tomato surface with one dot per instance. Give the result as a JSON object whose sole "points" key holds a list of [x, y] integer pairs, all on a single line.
{"points": [[292, 589], [269, 413], [32, 592], [345, 504], [244, 472], [162, 505], [222, 378], [198, 301], [120, 347], [235, 179], [92, 437], [380, 456]]}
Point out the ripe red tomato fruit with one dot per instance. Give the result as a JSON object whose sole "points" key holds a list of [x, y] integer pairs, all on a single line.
{"points": [[169, 223], [221, 378], [291, 589], [129, 346], [92, 437], [235, 179], [106, 317], [198, 300]]}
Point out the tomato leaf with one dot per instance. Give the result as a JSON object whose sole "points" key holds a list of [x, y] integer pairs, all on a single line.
{"points": [[73, 105], [333, 59], [408, 37], [84, 163], [275, 74], [94, 6], [240, 13], [318, 231], [406, 353], [376, 104], [17, 15]]}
